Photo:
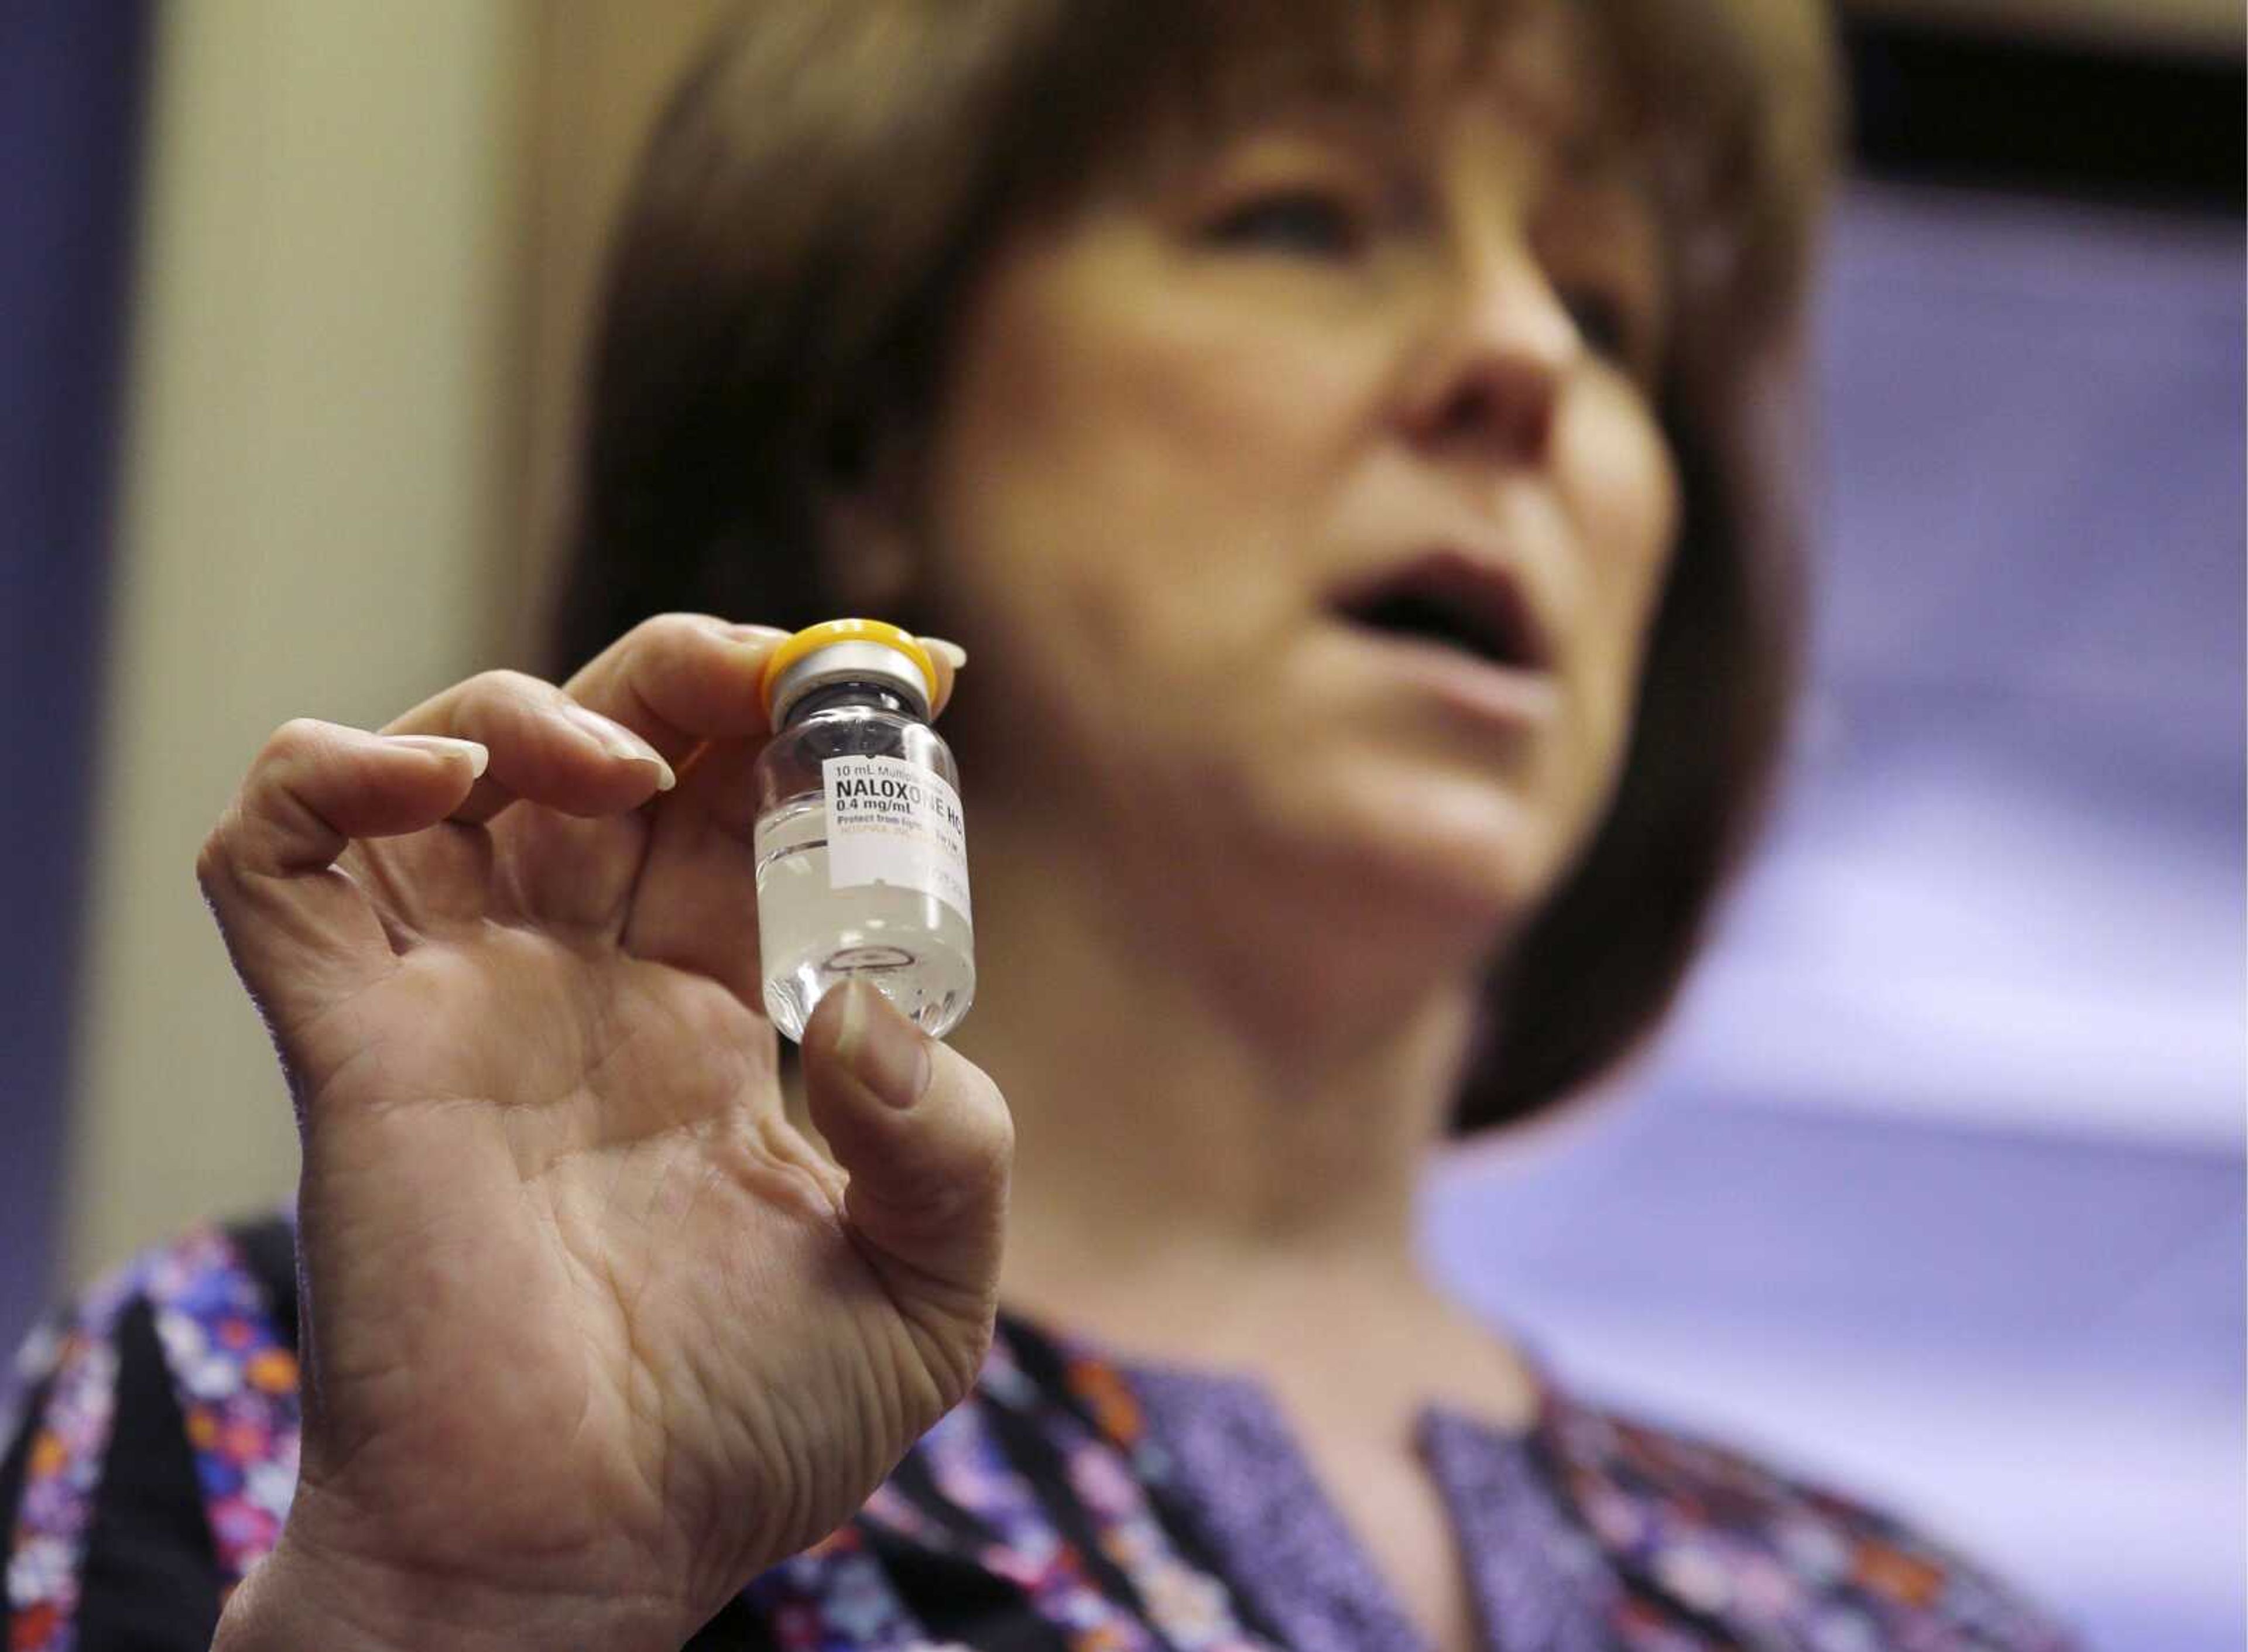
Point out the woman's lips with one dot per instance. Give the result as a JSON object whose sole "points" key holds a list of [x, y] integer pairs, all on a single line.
{"points": [[1478, 598], [1485, 691]]}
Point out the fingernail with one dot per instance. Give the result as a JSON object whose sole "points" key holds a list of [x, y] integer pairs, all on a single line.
{"points": [[479, 755], [754, 633], [883, 1050], [619, 742], [953, 653]]}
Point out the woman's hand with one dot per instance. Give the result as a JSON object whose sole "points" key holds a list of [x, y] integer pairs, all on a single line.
{"points": [[591, 1334]]}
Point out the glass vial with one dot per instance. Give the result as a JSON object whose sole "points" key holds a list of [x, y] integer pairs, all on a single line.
{"points": [[861, 855]]}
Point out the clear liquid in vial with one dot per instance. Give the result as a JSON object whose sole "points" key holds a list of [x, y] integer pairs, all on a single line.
{"points": [[913, 947]]}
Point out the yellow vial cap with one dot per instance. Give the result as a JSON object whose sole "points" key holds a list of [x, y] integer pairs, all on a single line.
{"points": [[828, 632]]}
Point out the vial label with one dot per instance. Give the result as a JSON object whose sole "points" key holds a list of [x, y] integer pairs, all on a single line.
{"points": [[894, 822]]}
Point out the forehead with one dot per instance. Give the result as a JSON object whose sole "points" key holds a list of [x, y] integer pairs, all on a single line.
{"points": [[1397, 73], [1406, 65], [1130, 103]]}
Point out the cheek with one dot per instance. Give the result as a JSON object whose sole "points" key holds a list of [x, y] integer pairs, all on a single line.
{"points": [[1132, 424], [1623, 494], [1129, 480], [1623, 491]]}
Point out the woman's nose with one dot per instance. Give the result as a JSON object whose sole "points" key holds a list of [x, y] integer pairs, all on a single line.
{"points": [[1500, 352]]}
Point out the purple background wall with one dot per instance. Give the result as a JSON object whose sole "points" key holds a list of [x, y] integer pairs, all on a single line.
{"points": [[70, 93]]}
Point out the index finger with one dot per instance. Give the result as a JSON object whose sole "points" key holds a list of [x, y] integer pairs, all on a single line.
{"points": [[946, 658], [681, 679]]}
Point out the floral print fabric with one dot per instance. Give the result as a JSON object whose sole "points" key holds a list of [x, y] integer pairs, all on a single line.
{"points": [[1078, 1504]]}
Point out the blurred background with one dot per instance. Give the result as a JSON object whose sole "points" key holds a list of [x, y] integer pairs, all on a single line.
{"points": [[1936, 1186]]}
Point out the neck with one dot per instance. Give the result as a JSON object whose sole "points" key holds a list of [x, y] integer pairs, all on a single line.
{"points": [[1195, 1164]]}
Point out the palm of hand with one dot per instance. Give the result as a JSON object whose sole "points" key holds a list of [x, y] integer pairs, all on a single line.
{"points": [[610, 1254]]}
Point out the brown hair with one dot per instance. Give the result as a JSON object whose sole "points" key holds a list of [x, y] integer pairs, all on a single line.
{"points": [[829, 178]]}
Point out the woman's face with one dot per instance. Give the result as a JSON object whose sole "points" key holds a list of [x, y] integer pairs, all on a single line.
{"points": [[1304, 511]]}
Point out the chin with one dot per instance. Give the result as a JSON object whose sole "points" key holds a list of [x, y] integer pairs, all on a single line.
{"points": [[1449, 878]]}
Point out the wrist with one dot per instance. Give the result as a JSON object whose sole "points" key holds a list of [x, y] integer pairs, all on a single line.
{"points": [[307, 1595]]}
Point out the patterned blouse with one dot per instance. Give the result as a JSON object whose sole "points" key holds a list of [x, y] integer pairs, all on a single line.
{"points": [[1074, 1504]]}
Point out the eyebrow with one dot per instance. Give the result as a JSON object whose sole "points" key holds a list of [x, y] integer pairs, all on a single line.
{"points": [[1581, 153], [1384, 101]]}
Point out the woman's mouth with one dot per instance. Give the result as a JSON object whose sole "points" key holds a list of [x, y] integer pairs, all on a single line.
{"points": [[1454, 599], [1461, 628]]}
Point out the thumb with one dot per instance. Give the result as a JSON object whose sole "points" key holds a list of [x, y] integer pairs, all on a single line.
{"points": [[928, 1143]]}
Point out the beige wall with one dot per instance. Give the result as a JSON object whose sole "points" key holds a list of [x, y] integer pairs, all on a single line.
{"points": [[370, 233], [310, 496], [598, 69]]}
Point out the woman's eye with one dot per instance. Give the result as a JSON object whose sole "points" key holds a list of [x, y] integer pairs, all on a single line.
{"points": [[1298, 221]]}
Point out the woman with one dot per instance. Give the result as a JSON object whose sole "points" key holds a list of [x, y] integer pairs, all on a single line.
{"points": [[1331, 429]]}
